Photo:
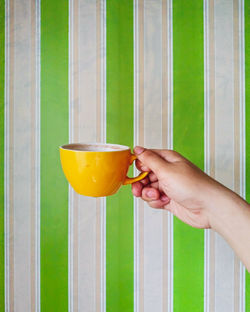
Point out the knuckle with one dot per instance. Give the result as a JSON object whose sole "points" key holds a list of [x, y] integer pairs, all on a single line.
{"points": [[149, 154], [148, 157], [175, 155]]}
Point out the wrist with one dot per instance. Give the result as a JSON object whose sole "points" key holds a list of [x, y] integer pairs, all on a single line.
{"points": [[224, 209], [229, 215]]}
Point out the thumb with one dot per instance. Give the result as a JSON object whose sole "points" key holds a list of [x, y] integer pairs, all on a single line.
{"points": [[152, 160]]}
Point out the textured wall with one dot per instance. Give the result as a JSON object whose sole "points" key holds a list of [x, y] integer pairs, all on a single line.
{"points": [[157, 73]]}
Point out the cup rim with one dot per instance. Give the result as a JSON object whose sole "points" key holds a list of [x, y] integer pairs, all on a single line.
{"points": [[118, 147]]}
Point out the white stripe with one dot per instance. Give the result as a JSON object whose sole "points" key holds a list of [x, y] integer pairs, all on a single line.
{"points": [[104, 127], [37, 225], [170, 74], [70, 250], [103, 254], [170, 263], [103, 139], [136, 142], [70, 191], [170, 146], [6, 157], [206, 148], [136, 253], [71, 198], [103, 69], [206, 85], [242, 136], [242, 96]]}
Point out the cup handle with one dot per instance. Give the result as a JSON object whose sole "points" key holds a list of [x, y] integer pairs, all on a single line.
{"points": [[135, 179]]}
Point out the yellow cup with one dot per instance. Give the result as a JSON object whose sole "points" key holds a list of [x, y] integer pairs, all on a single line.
{"points": [[97, 169]]}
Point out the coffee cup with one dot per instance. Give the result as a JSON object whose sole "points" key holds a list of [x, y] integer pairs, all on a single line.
{"points": [[97, 169]]}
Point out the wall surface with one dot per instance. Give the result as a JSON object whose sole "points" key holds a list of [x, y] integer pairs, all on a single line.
{"points": [[158, 73]]}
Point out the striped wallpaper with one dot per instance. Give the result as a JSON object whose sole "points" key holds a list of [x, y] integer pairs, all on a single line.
{"points": [[157, 73]]}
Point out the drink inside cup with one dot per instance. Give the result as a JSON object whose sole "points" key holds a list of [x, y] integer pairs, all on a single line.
{"points": [[97, 169], [95, 147]]}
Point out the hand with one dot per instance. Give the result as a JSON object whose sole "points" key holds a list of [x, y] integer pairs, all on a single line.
{"points": [[174, 184], [177, 185]]}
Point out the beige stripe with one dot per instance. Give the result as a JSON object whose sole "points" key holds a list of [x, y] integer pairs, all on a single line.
{"points": [[141, 142], [211, 145], [224, 143], [87, 217], [76, 110], [237, 138], [23, 133], [153, 252], [165, 144], [11, 155], [33, 158]]}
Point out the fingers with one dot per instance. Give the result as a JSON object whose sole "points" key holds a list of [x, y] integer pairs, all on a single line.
{"points": [[137, 189], [158, 203], [151, 160], [150, 193], [140, 166], [145, 181], [152, 176], [154, 198], [169, 155]]}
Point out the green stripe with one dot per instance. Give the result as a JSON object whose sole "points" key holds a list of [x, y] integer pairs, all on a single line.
{"points": [[119, 226], [2, 63], [188, 140], [247, 94], [54, 132]]}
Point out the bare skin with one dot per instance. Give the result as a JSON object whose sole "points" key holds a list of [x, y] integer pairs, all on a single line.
{"points": [[177, 185]]}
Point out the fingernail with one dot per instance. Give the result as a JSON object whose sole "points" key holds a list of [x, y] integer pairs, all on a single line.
{"points": [[150, 194], [138, 150]]}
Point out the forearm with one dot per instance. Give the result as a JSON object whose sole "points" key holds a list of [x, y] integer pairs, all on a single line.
{"points": [[229, 215]]}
